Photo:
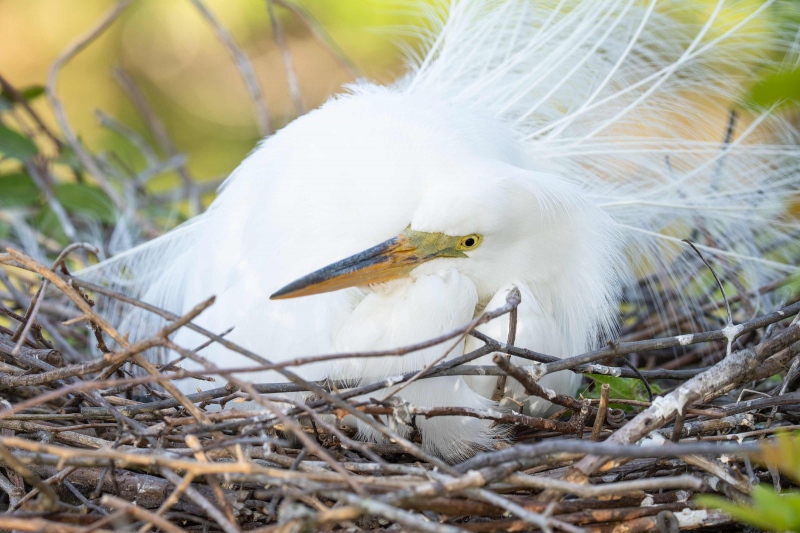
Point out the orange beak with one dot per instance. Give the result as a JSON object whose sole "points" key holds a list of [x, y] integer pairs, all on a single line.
{"points": [[389, 260]]}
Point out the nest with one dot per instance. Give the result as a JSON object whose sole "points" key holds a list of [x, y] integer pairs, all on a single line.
{"points": [[109, 444], [87, 445]]}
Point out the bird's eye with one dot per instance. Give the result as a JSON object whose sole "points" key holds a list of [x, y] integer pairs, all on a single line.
{"points": [[469, 242]]}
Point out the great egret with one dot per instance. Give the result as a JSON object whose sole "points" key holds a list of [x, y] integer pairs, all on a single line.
{"points": [[560, 147]]}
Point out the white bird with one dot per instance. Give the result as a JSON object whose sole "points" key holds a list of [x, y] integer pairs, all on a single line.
{"points": [[561, 147]]}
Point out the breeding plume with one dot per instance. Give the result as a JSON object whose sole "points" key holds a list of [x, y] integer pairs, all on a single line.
{"points": [[561, 147]]}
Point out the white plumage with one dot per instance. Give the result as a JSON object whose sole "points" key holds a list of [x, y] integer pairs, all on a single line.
{"points": [[576, 138]]}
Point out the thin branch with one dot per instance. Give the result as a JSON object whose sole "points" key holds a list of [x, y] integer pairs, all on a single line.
{"points": [[243, 65]]}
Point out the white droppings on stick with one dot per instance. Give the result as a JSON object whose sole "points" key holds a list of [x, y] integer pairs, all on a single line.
{"points": [[689, 518], [731, 332], [653, 439], [394, 380], [664, 407], [648, 501], [606, 370], [535, 371], [685, 340]]}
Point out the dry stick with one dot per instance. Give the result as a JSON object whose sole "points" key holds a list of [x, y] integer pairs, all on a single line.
{"points": [[263, 388], [243, 65], [361, 447], [496, 466], [337, 400], [716, 469], [194, 444], [308, 442], [286, 57], [527, 516], [13, 491], [403, 350], [150, 459], [606, 489], [602, 407], [84, 306], [40, 525], [140, 514], [677, 427], [81, 303], [619, 348], [30, 317], [173, 498], [109, 359], [276, 411], [512, 301], [510, 417], [790, 375], [624, 348], [729, 371], [200, 500], [500, 386], [28, 321], [50, 500], [411, 521], [534, 389]]}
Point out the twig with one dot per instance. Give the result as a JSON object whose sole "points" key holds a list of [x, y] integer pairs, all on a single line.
{"points": [[602, 407], [58, 109], [286, 57], [243, 65]]}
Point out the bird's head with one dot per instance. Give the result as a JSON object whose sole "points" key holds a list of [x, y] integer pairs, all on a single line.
{"points": [[437, 189], [506, 224]]}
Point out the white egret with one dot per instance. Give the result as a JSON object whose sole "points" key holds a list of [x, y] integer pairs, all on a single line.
{"points": [[560, 147]]}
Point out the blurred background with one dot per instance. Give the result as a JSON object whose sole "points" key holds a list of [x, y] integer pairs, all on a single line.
{"points": [[170, 56], [175, 58]]}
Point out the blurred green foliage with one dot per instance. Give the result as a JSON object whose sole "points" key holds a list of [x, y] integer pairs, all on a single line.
{"points": [[768, 509], [621, 389], [776, 90]]}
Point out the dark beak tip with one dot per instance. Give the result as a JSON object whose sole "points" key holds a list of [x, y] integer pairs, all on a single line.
{"points": [[361, 260], [280, 294]]}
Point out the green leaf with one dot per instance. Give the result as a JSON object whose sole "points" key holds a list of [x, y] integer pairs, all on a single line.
{"points": [[28, 93], [778, 89], [69, 158], [33, 92], [768, 510], [622, 388], [784, 452], [86, 200], [48, 224], [18, 190], [14, 145]]}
